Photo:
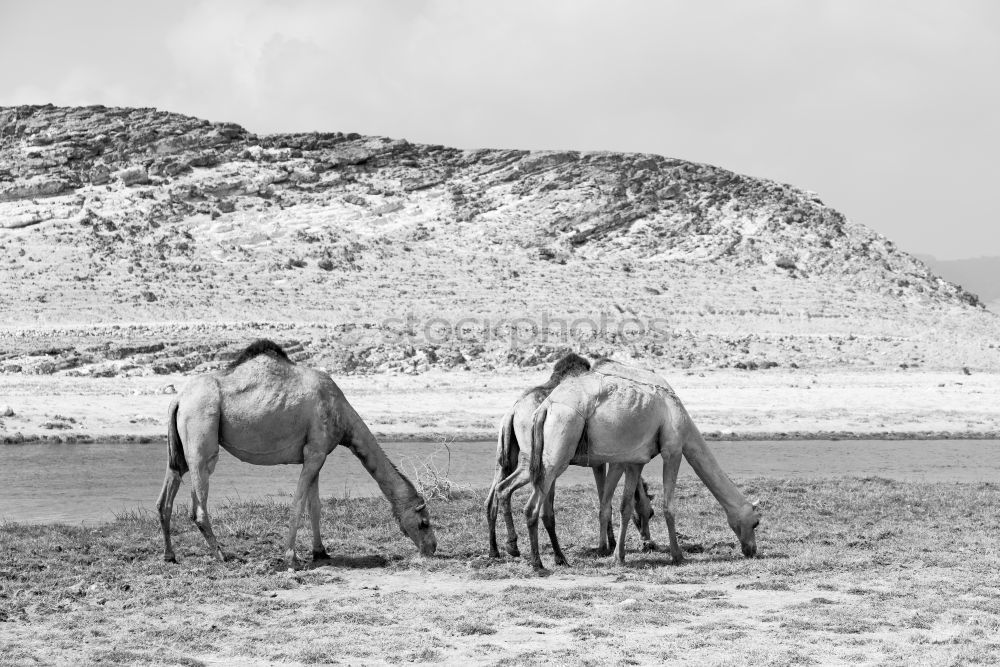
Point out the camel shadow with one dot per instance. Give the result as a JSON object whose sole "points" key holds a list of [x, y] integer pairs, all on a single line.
{"points": [[464, 556], [648, 560], [634, 559], [659, 556], [366, 562], [593, 553]]}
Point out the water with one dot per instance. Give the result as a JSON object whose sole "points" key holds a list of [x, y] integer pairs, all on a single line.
{"points": [[75, 483]]}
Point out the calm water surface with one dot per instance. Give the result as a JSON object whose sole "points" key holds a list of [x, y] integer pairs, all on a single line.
{"points": [[75, 483]]}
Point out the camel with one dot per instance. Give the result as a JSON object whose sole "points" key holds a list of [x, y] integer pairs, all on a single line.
{"points": [[266, 410], [512, 470], [629, 416]]}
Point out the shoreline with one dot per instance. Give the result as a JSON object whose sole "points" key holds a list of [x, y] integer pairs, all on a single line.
{"points": [[828, 436], [835, 404]]}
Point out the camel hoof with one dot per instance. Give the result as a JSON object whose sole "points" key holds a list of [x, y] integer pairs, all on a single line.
{"points": [[678, 559], [605, 551], [562, 562], [513, 551], [321, 555], [649, 545], [170, 558]]}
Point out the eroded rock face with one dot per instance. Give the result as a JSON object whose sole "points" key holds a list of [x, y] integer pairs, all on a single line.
{"points": [[139, 215], [35, 187], [648, 204]]}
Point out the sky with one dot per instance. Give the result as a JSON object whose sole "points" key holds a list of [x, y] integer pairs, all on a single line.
{"points": [[890, 110]]}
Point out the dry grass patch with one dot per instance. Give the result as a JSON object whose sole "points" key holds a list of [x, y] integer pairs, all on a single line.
{"points": [[849, 571]]}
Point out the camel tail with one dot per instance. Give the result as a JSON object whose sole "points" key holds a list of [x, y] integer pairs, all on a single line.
{"points": [[536, 469], [509, 449], [508, 453], [175, 451]]}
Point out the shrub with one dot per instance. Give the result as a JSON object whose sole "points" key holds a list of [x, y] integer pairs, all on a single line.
{"points": [[433, 483]]}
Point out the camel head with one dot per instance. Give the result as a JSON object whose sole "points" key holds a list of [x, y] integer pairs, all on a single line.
{"points": [[415, 521], [643, 512], [744, 523]]}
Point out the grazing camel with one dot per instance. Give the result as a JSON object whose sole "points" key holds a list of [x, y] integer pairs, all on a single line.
{"points": [[629, 416], [512, 470], [266, 410]]}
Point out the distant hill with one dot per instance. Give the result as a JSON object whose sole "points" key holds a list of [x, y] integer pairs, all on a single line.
{"points": [[978, 275], [136, 240]]}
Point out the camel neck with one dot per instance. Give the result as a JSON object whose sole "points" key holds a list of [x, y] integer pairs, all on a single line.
{"points": [[703, 462], [396, 487]]}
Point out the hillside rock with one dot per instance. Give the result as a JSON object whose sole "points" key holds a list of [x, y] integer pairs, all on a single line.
{"points": [[152, 219]]}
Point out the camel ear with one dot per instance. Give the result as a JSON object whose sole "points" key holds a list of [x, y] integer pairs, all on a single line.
{"points": [[755, 505]]}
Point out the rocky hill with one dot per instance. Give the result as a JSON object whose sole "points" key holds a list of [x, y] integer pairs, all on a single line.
{"points": [[140, 241], [980, 275]]}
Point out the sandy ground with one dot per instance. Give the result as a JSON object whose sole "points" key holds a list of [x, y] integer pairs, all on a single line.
{"points": [[468, 405], [561, 634], [851, 571]]}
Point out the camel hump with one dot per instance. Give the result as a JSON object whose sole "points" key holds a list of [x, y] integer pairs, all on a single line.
{"points": [[570, 365], [257, 348], [642, 376]]}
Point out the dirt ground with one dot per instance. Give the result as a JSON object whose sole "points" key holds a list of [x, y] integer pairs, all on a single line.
{"points": [[466, 405], [863, 571]]}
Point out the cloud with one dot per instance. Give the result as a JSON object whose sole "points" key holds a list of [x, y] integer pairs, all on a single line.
{"points": [[861, 101]]}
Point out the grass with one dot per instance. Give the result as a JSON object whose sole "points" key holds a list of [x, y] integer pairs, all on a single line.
{"points": [[864, 570]]}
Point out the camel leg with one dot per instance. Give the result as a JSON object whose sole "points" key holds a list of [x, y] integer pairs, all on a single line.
{"points": [[671, 465], [599, 479], [494, 503], [198, 429], [319, 551], [549, 520], [193, 509], [628, 505], [199, 501], [307, 478], [556, 432], [531, 511], [491, 515], [607, 493], [642, 515], [515, 481], [165, 508], [500, 482]]}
